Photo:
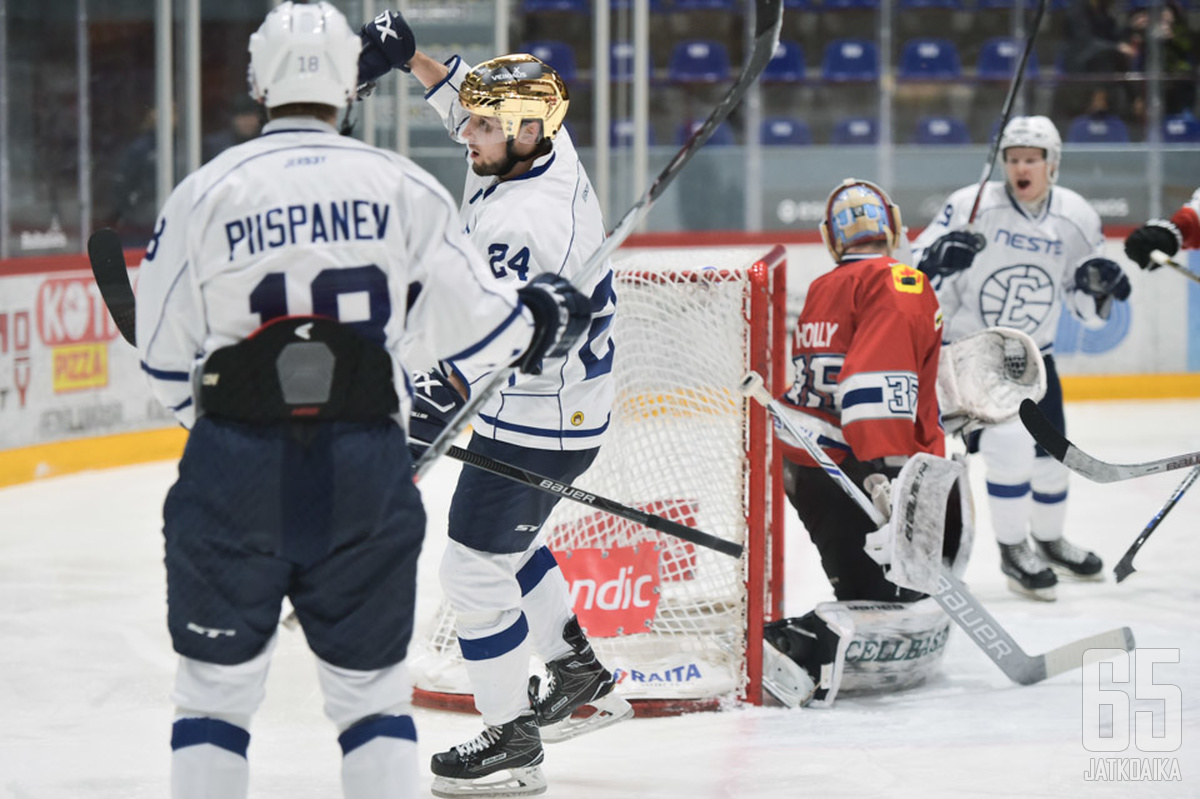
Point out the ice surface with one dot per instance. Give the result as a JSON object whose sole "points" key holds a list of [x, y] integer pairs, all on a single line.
{"points": [[86, 664]]}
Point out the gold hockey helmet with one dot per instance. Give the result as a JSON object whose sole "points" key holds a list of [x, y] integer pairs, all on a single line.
{"points": [[513, 89]]}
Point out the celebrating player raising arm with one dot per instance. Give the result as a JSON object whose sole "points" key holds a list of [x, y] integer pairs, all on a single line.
{"points": [[529, 207], [1166, 236], [1034, 248], [276, 295]]}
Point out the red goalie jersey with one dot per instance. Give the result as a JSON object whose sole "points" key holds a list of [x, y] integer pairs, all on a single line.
{"points": [[866, 351]]}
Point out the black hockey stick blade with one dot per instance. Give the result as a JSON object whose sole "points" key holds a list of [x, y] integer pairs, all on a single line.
{"points": [[769, 16], [698, 537], [1124, 566], [1078, 461], [112, 278]]}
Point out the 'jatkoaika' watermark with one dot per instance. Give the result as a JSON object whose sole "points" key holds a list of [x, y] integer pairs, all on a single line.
{"points": [[1143, 711]]}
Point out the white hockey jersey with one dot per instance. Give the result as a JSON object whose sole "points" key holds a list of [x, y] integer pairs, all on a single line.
{"points": [[1026, 273], [303, 221], [547, 220]]}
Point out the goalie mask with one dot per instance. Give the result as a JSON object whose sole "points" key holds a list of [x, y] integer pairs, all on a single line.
{"points": [[1036, 132], [304, 54], [858, 212], [515, 89]]}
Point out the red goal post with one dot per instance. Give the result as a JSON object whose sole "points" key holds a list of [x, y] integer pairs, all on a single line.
{"points": [[680, 625]]}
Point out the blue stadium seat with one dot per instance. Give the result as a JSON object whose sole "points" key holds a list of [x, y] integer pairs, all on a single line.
{"points": [[784, 130], [621, 133], [568, 6], [798, 5], [922, 5], [1181, 129], [703, 5], [850, 60], [559, 55], [941, 130], [849, 5], [625, 5], [856, 130], [698, 61], [929, 59], [722, 136], [999, 56], [786, 65], [620, 62], [1107, 129]]}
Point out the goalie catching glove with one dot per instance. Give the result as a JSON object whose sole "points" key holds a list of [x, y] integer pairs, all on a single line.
{"points": [[560, 316], [983, 378]]}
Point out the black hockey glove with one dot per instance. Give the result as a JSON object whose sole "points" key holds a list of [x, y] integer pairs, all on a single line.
{"points": [[952, 253], [1156, 234], [435, 403], [1104, 280], [560, 316], [387, 43]]}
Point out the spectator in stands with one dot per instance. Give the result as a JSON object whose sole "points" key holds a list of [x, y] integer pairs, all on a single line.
{"points": [[1178, 54], [1094, 43], [245, 120], [134, 193]]}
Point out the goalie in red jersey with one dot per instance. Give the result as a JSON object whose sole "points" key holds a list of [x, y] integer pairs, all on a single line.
{"points": [[865, 350]]}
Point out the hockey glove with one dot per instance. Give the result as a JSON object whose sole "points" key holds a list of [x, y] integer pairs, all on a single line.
{"points": [[387, 43], [435, 403], [560, 316], [951, 253], [1103, 280], [1157, 234]]}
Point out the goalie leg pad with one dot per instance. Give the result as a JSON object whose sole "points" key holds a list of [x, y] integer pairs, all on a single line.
{"points": [[913, 541], [895, 646]]}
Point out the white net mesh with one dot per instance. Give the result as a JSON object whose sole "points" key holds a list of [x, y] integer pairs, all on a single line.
{"points": [[676, 448]]}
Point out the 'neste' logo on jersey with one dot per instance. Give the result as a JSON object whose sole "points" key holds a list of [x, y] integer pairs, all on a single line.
{"points": [[1020, 297]]}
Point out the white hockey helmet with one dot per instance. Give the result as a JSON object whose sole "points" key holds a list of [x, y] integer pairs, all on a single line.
{"points": [[1037, 132], [857, 212], [516, 88], [304, 53]]}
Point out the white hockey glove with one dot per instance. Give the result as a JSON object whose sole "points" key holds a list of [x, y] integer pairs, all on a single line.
{"points": [[983, 378]]}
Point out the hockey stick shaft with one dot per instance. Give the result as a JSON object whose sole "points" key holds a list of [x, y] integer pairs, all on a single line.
{"points": [[108, 266], [1124, 566], [769, 14], [107, 258], [1162, 259], [584, 497], [1078, 461], [1006, 108], [951, 594]]}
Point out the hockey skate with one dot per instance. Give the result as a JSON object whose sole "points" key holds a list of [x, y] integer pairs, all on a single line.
{"points": [[474, 768], [1070, 560], [573, 682], [1027, 573]]}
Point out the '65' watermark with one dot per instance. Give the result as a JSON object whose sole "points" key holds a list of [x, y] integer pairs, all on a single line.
{"points": [[1129, 700]]}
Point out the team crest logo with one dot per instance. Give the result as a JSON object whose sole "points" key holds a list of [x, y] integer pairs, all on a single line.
{"points": [[1020, 297], [907, 280]]}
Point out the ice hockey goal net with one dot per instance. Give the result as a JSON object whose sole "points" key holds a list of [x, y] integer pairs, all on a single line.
{"points": [[681, 625]]}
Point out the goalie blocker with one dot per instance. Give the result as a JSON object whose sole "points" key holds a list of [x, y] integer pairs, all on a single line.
{"points": [[864, 646]]}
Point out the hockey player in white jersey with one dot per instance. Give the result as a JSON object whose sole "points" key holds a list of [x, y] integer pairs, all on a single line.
{"points": [[274, 301], [1034, 248], [530, 209]]}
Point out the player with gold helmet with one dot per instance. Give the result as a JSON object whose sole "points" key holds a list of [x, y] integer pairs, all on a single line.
{"points": [[528, 205]]}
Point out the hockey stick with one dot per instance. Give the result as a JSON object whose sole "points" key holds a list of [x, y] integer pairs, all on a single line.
{"points": [[952, 594], [112, 278], [1124, 566], [583, 497], [769, 14], [1162, 259], [108, 266], [1006, 109], [1078, 461]]}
